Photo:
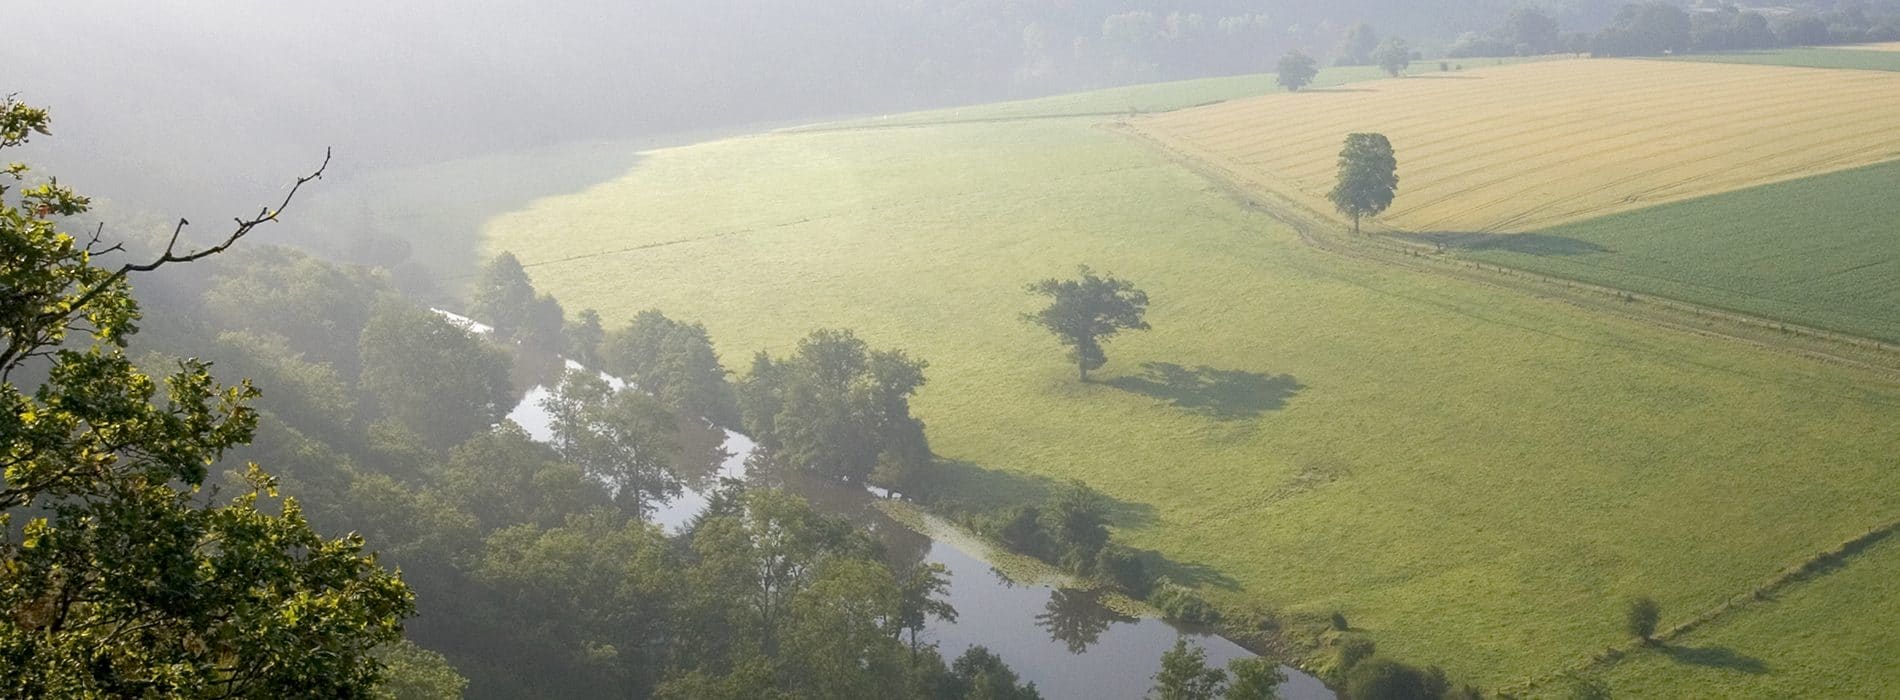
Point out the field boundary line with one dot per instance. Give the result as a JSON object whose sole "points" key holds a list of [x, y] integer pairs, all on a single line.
{"points": [[1831, 347], [860, 126], [1809, 569]]}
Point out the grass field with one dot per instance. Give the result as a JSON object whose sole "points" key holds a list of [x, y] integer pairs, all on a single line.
{"points": [[1867, 57], [1828, 638], [1884, 46], [1818, 251], [1146, 98], [1519, 148], [1476, 478]]}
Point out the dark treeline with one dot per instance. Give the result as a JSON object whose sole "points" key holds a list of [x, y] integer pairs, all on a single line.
{"points": [[378, 443], [1656, 27]]}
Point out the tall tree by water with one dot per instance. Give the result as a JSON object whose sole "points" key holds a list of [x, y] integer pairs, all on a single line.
{"points": [[1185, 675], [1254, 679], [505, 298], [119, 577], [1084, 312], [838, 408], [1368, 177], [625, 438]]}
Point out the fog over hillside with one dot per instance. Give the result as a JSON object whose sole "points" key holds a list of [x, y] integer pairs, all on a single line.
{"points": [[220, 102]]}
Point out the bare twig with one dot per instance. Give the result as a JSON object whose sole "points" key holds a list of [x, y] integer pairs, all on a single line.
{"points": [[244, 227]]}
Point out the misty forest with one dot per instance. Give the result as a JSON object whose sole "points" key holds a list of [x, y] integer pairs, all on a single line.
{"points": [[959, 350]]}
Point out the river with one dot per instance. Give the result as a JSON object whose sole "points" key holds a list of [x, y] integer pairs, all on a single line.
{"points": [[1062, 639]]}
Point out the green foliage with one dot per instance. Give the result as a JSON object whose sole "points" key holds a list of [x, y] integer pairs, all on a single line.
{"points": [[584, 337], [838, 408], [608, 581], [1295, 70], [119, 576], [920, 598], [1255, 678], [981, 675], [503, 478], [625, 438], [414, 673], [1358, 46], [319, 309], [1368, 177], [1640, 616], [1185, 675], [1181, 604], [1084, 312], [415, 363], [1393, 56], [1351, 649], [1380, 678], [1650, 28], [1530, 31], [674, 361], [1076, 518], [506, 300], [1123, 567]]}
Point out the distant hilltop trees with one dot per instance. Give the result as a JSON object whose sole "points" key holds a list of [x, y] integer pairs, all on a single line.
{"points": [[1655, 28]]}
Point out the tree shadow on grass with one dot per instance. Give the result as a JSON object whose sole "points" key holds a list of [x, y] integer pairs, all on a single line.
{"points": [[1221, 394], [1716, 657], [969, 489], [1526, 243], [961, 486]]}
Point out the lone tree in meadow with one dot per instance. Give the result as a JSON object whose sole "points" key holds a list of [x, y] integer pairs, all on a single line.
{"points": [[1640, 617], [1084, 312], [1296, 71], [1368, 177], [1393, 56]]}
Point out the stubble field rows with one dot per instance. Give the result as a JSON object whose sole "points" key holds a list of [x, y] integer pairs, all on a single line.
{"points": [[1518, 148]]}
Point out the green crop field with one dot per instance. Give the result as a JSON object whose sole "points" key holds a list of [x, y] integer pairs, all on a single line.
{"points": [[1820, 251], [1475, 477], [1853, 59]]}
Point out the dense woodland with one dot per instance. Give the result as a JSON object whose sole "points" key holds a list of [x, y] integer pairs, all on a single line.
{"points": [[527, 569]]}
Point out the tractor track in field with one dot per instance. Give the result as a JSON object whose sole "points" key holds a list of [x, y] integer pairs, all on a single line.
{"points": [[1312, 228]]}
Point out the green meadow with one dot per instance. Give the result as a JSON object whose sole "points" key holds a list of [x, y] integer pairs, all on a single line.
{"points": [[1476, 477], [1819, 251], [1144, 97], [1806, 57], [1148, 97], [1828, 638]]}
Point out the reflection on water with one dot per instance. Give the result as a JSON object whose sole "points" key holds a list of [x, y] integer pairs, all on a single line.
{"points": [[1077, 618], [1064, 640]]}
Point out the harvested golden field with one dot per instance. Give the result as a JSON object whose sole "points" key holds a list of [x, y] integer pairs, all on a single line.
{"points": [[1522, 147]]}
